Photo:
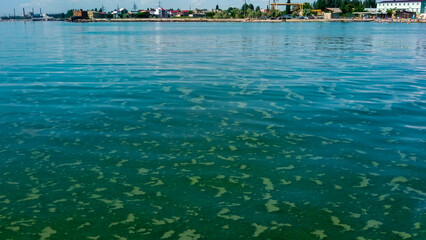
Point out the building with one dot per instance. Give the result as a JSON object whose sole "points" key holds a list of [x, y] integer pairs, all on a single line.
{"points": [[161, 13], [120, 13], [173, 13], [200, 11], [413, 6], [95, 14], [330, 13], [80, 14], [185, 13], [317, 12]]}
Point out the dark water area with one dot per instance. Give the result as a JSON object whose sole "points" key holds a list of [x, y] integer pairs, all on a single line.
{"points": [[212, 130]]}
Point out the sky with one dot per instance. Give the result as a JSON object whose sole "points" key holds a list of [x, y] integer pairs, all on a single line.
{"points": [[57, 6], [54, 6]]}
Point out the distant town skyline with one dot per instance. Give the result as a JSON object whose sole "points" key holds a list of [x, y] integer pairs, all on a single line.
{"points": [[56, 6]]}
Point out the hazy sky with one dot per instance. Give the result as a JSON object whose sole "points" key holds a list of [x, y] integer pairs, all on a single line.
{"points": [[53, 6]]}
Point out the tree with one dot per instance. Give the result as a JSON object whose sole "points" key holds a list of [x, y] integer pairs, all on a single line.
{"points": [[222, 15], [251, 13], [70, 13], [323, 4], [307, 6], [217, 7], [370, 4], [275, 13], [347, 8], [307, 12], [359, 8], [142, 15], [258, 13], [245, 7], [235, 13], [210, 14], [257, 8], [287, 8]]}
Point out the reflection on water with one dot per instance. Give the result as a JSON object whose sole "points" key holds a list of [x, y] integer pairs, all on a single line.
{"points": [[196, 130]]}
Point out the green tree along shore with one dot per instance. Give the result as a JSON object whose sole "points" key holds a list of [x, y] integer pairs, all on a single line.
{"points": [[248, 10], [322, 4], [346, 6]]}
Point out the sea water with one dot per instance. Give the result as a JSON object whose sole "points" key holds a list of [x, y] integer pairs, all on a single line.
{"points": [[212, 130]]}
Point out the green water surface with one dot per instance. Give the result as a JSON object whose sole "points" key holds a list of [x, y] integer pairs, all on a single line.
{"points": [[212, 131]]}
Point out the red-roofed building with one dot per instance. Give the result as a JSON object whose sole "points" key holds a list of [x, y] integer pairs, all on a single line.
{"points": [[174, 13], [161, 13]]}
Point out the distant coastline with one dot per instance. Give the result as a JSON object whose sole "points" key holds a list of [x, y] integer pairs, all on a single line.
{"points": [[248, 20], [237, 20]]}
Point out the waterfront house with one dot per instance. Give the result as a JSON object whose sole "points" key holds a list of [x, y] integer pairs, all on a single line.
{"points": [[120, 13], [332, 13], [161, 13], [173, 13], [411, 6], [180, 13]]}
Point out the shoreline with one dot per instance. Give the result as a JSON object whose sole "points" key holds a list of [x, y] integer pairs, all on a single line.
{"points": [[239, 20], [249, 20]]}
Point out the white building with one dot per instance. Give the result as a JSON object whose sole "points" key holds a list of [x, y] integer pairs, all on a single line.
{"points": [[45, 17], [415, 6], [162, 13]]}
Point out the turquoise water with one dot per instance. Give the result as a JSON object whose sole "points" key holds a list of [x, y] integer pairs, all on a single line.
{"points": [[212, 130]]}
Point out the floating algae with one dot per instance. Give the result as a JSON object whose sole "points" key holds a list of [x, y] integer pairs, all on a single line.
{"points": [[268, 184], [403, 235], [168, 234], [285, 182], [194, 180], [364, 182], [271, 205], [221, 191], [336, 221], [319, 233], [259, 229], [189, 234], [372, 224], [31, 196], [46, 233], [224, 211]]}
